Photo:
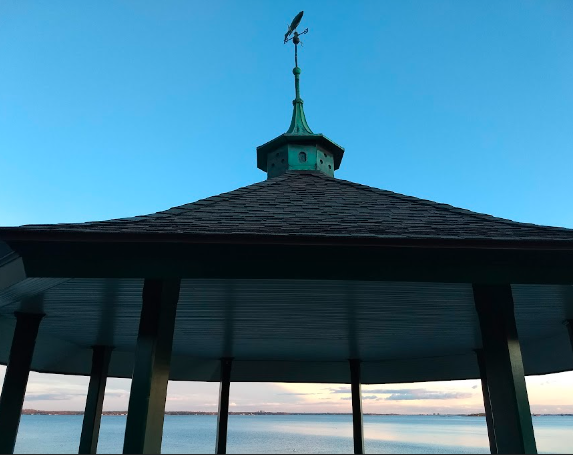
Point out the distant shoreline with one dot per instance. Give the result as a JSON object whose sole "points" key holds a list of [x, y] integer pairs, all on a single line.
{"points": [[259, 413]]}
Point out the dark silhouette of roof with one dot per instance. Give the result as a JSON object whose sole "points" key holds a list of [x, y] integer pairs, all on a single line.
{"points": [[313, 204]]}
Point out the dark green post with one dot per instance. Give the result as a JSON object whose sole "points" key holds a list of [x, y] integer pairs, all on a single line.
{"points": [[512, 422], [355, 389], [223, 415], [144, 426], [486, 401], [16, 378], [94, 403]]}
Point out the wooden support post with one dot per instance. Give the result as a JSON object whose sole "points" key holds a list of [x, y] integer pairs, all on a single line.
{"points": [[357, 427], [144, 426], [223, 415], [16, 378], [94, 402], [512, 422], [486, 401]]}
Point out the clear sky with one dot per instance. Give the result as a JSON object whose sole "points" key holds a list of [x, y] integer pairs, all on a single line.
{"points": [[115, 109]]}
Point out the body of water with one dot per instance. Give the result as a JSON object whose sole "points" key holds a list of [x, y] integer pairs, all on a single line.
{"points": [[295, 434]]}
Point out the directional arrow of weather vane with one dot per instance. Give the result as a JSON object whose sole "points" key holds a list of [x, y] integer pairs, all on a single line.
{"points": [[295, 38]]}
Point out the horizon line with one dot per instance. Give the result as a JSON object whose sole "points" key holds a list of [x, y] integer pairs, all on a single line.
{"points": [[125, 412]]}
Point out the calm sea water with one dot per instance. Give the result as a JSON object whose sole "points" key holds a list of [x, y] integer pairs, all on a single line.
{"points": [[295, 434]]}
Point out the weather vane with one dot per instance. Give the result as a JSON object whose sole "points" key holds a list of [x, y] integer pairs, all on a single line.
{"points": [[295, 38]]}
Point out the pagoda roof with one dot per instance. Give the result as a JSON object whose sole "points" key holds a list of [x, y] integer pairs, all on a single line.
{"points": [[292, 277], [311, 204]]}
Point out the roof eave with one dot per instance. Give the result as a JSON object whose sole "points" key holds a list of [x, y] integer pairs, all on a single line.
{"points": [[19, 234]]}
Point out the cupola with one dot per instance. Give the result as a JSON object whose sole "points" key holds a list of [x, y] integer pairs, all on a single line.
{"points": [[299, 149]]}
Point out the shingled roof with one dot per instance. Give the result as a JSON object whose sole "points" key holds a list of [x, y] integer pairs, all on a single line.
{"points": [[312, 204]]}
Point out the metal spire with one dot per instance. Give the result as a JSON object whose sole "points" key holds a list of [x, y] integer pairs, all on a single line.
{"points": [[298, 124]]}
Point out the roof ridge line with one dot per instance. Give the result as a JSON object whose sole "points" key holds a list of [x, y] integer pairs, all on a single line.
{"points": [[443, 206]]}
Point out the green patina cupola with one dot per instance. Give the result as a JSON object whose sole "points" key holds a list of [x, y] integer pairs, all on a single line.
{"points": [[299, 149]]}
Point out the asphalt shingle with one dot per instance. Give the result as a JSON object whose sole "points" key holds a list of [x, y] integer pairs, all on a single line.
{"points": [[312, 204]]}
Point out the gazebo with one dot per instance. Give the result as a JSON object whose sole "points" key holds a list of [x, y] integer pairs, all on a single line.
{"points": [[302, 277]]}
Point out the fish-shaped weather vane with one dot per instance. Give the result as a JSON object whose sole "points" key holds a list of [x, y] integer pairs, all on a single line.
{"points": [[295, 35]]}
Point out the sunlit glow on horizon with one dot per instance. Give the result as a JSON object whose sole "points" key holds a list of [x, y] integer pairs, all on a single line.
{"points": [[548, 394]]}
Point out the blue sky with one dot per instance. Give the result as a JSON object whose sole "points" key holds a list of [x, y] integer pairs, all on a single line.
{"points": [[113, 109]]}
